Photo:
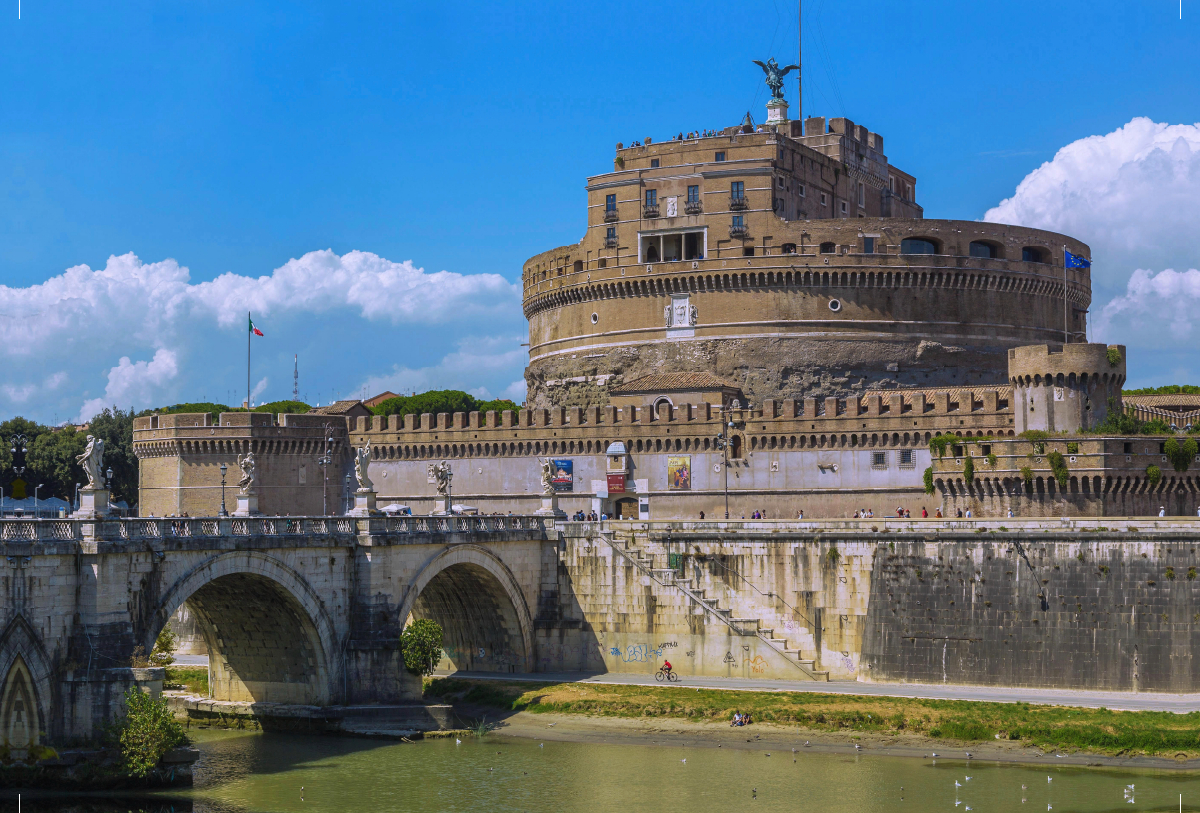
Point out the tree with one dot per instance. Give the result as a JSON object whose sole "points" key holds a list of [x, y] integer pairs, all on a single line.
{"points": [[164, 647], [146, 732], [436, 401], [421, 645]]}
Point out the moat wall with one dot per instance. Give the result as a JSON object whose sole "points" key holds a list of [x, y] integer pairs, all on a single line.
{"points": [[1075, 608]]}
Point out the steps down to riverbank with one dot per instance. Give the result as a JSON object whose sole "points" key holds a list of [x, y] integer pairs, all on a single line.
{"points": [[667, 579]]}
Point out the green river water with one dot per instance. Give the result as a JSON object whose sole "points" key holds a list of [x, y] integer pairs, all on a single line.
{"points": [[247, 773]]}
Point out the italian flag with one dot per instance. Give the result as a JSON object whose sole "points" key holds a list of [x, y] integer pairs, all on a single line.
{"points": [[253, 329]]}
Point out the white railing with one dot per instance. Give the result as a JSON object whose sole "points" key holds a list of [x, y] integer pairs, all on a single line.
{"points": [[168, 528]]}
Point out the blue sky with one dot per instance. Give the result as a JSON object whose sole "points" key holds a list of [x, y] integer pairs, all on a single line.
{"points": [[234, 138]]}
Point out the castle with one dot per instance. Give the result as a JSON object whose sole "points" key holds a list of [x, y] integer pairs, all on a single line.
{"points": [[756, 319]]}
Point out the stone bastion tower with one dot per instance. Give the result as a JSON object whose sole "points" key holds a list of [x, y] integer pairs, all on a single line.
{"points": [[788, 260]]}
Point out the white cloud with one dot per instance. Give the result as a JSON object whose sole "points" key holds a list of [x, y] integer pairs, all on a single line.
{"points": [[349, 315], [1132, 195], [258, 390], [475, 358], [133, 383]]}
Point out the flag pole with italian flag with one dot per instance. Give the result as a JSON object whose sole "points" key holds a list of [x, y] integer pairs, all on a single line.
{"points": [[252, 332]]}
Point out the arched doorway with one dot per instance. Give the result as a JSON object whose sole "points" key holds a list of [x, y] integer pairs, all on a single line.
{"points": [[268, 638], [475, 599], [626, 508]]}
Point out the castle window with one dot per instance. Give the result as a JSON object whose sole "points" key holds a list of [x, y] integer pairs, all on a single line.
{"points": [[989, 251], [844, 209], [828, 248], [735, 447], [602, 263], [908, 459], [1033, 254], [800, 190], [739, 222], [788, 248], [651, 197], [610, 203], [868, 245], [879, 460], [824, 199], [578, 266], [653, 163], [748, 251], [693, 194], [737, 190], [720, 156], [917, 245], [862, 194]]}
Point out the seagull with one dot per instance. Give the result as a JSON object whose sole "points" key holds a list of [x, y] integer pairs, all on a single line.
{"points": [[806, 745], [957, 784], [968, 755], [1022, 787], [684, 761], [968, 807], [1049, 779], [551, 725], [457, 741], [1049, 807], [935, 756], [968, 779], [541, 745], [1129, 786], [768, 753]]}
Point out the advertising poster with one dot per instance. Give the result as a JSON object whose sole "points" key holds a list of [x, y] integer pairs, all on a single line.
{"points": [[616, 483], [679, 473], [564, 475]]}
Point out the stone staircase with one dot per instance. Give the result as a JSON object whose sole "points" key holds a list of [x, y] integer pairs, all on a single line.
{"points": [[669, 579]]}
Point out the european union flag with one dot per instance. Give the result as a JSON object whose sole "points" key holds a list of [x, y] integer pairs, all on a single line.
{"points": [[1074, 261]]}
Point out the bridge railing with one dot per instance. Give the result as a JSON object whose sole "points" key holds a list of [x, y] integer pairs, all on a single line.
{"points": [[51, 530]]}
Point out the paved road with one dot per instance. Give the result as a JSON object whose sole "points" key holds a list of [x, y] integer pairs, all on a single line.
{"points": [[191, 660], [1130, 701]]}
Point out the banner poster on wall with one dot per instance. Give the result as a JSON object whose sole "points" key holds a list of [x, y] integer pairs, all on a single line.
{"points": [[679, 473], [564, 475], [616, 482]]}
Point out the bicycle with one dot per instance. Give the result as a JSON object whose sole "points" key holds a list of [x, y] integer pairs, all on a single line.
{"points": [[663, 674]]}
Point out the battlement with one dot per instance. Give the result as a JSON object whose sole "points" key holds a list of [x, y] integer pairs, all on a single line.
{"points": [[1065, 388]]}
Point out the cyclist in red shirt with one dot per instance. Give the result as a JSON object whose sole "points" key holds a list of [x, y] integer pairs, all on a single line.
{"points": [[667, 667]]}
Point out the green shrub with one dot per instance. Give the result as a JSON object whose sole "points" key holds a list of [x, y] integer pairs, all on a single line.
{"points": [[1034, 435], [146, 732], [1058, 465], [1181, 455], [929, 480], [1154, 475], [833, 556], [421, 645], [1072, 448], [1168, 389], [165, 645], [991, 459], [969, 471], [1114, 357], [1027, 476], [1170, 573], [1156, 427]]}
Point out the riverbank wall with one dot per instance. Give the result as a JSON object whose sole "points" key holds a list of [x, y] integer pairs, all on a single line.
{"points": [[1078, 605]]}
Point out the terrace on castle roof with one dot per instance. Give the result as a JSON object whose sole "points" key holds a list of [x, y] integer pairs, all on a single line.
{"points": [[350, 408]]}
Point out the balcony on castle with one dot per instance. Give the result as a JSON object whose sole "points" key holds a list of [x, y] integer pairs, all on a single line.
{"points": [[610, 215], [737, 202], [650, 210], [693, 207], [610, 242], [737, 231]]}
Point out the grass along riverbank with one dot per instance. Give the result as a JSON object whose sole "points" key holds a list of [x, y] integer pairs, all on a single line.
{"points": [[1099, 731], [192, 678]]}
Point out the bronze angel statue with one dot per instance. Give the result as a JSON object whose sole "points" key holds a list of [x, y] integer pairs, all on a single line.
{"points": [[775, 75]]}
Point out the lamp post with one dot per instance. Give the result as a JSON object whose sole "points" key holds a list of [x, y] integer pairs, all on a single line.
{"points": [[346, 495], [723, 445], [108, 485], [223, 513], [77, 487], [35, 500], [323, 461]]}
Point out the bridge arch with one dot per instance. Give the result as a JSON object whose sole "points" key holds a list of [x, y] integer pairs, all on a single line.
{"points": [[476, 599], [269, 636]]}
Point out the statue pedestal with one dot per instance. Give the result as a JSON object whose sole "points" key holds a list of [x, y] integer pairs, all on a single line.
{"points": [[364, 503], [777, 110], [93, 502], [247, 505], [441, 507], [550, 507]]}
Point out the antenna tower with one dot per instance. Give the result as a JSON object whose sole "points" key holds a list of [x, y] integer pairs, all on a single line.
{"points": [[296, 378], [799, 62]]}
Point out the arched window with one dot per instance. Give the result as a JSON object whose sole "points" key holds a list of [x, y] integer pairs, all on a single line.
{"points": [[735, 447], [578, 266], [1034, 254], [829, 248], [918, 245], [979, 248]]}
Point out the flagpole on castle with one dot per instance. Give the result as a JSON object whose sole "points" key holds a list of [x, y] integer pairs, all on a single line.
{"points": [[249, 333]]}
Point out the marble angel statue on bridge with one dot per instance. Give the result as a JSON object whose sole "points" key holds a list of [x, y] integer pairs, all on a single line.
{"points": [[362, 458], [92, 461], [249, 473], [548, 472], [439, 475]]}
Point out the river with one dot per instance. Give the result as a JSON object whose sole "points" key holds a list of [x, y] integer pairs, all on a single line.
{"points": [[282, 773]]}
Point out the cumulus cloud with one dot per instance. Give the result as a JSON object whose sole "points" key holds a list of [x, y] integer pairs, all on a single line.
{"points": [[1132, 195], [474, 358], [145, 335]]}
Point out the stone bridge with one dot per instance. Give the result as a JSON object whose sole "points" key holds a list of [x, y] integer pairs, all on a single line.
{"points": [[308, 611], [293, 610]]}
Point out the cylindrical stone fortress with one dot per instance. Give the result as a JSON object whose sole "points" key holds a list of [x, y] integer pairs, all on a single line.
{"points": [[1065, 388]]}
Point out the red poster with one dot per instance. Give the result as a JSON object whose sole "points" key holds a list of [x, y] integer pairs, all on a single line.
{"points": [[616, 483]]}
